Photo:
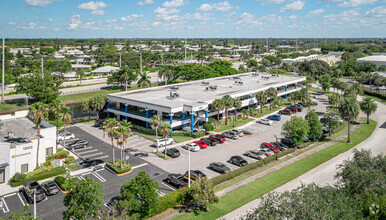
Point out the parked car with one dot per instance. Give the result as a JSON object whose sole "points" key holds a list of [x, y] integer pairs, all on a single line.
{"points": [[292, 109], [32, 187], [265, 151], [237, 160], [161, 142], [220, 138], [172, 152], [202, 144], [209, 141], [298, 108], [213, 139], [68, 135], [194, 174], [325, 128], [285, 112], [176, 180], [255, 154], [77, 144], [91, 162], [264, 121], [191, 146], [50, 188], [99, 123], [274, 117], [309, 139], [219, 167], [288, 142], [269, 146], [230, 134], [282, 147], [239, 132], [112, 206]]}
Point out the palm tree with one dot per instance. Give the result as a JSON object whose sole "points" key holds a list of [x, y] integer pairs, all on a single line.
{"points": [[165, 73], [127, 75], [368, 106], [244, 113], [144, 81], [334, 83], [349, 108], [228, 103], [109, 126], [154, 124], [80, 74], [122, 134], [39, 112], [98, 102], [55, 109], [237, 105], [303, 96], [66, 118], [272, 93], [128, 126], [356, 87], [165, 131], [334, 99], [261, 98], [85, 106], [218, 105]]}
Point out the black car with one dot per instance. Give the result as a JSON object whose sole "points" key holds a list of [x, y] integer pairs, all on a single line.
{"points": [[33, 189], [300, 109], [194, 174], [279, 145], [209, 141], [213, 139], [172, 152], [288, 142], [237, 160], [91, 162], [219, 167], [176, 180], [112, 206], [309, 139], [285, 112], [78, 144], [50, 188]]}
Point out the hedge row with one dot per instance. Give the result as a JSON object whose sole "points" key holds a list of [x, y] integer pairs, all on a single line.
{"points": [[199, 134], [152, 132], [172, 199], [60, 154], [234, 173], [126, 167], [61, 181], [18, 179], [376, 94]]}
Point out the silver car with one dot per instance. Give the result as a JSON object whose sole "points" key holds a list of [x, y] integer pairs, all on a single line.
{"points": [[239, 132], [265, 151]]}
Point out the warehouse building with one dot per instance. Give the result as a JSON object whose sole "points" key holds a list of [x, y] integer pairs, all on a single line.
{"points": [[378, 60], [187, 105]]}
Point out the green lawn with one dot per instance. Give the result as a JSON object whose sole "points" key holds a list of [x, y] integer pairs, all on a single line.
{"points": [[376, 98], [177, 139], [237, 123], [251, 191], [10, 107]]}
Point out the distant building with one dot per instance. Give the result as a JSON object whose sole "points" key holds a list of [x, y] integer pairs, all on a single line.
{"points": [[378, 60], [331, 59], [105, 70]]}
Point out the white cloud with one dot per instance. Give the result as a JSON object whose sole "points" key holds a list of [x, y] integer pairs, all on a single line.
{"points": [[294, 6], [344, 17], [247, 19], [75, 21], [200, 16], [31, 26], [97, 5], [98, 12], [50, 19], [146, 2], [39, 3], [355, 3], [174, 3], [378, 12], [56, 29], [271, 2], [316, 12], [230, 14], [111, 20], [221, 6], [166, 11], [271, 19], [132, 17], [292, 17], [11, 23]]}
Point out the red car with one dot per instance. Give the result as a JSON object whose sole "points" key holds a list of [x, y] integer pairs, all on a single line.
{"points": [[220, 138], [269, 146], [201, 144], [292, 109]]}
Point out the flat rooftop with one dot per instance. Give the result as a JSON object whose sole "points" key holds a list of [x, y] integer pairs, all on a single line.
{"points": [[195, 93], [375, 58]]}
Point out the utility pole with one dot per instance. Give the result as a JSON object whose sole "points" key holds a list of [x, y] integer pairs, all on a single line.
{"points": [[185, 50], [140, 61], [120, 60], [2, 77]]}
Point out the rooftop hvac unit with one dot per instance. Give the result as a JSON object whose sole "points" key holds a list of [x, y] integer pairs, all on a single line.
{"points": [[236, 77], [10, 133], [204, 83], [239, 82], [174, 87], [255, 74], [212, 88], [174, 95]]}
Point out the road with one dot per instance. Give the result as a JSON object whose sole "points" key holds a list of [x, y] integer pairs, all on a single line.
{"points": [[324, 173]]}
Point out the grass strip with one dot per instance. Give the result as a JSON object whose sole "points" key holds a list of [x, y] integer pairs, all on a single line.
{"points": [[237, 123], [254, 190], [376, 98]]}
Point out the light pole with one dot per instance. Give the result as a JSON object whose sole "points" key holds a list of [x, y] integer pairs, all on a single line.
{"points": [[35, 204], [276, 142], [189, 167]]}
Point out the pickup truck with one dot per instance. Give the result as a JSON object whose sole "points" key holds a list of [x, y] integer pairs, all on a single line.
{"points": [[161, 142], [176, 180], [33, 187]]}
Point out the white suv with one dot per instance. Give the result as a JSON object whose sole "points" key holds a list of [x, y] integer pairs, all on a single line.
{"points": [[68, 136], [161, 142]]}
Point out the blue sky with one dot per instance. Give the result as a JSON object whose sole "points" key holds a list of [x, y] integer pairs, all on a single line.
{"points": [[192, 18]]}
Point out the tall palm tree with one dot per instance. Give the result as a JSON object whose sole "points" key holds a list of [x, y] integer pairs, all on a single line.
{"points": [[109, 126], [55, 109], [349, 108], [127, 125], [272, 93], [165, 73], [144, 81], [228, 103], [165, 131], [66, 118], [261, 98], [303, 95], [154, 124], [122, 134], [80, 74], [98, 102], [237, 105], [39, 112], [368, 106], [127, 75], [218, 105], [334, 83], [356, 87], [85, 106]]}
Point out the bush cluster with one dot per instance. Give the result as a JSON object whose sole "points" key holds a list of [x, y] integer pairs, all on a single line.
{"points": [[152, 132], [172, 199], [60, 154], [199, 134], [63, 184], [376, 94], [126, 167], [234, 173], [38, 174]]}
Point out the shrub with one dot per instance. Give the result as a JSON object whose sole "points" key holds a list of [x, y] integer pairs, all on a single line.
{"points": [[376, 94], [38, 174], [199, 134], [62, 182], [208, 127], [172, 199], [70, 160], [181, 133], [247, 132], [18, 179], [60, 154], [126, 167]]}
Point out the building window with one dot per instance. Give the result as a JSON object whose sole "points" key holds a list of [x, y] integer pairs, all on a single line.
{"points": [[24, 168], [2, 176], [49, 151]]}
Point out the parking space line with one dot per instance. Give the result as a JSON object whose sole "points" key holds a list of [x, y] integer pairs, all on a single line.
{"points": [[91, 155], [99, 177], [101, 157], [86, 152], [9, 195], [85, 148], [81, 177], [141, 165], [168, 186], [5, 206], [22, 201]]}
